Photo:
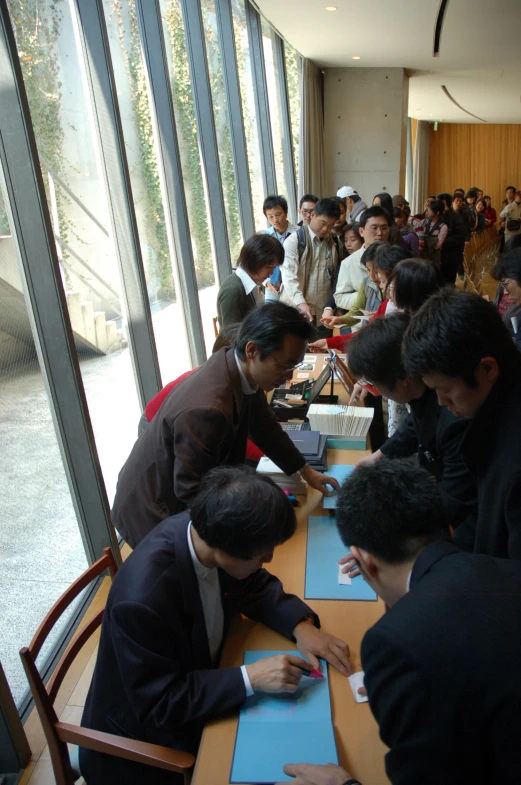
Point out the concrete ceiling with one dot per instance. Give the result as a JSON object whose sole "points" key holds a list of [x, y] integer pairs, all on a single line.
{"points": [[478, 62]]}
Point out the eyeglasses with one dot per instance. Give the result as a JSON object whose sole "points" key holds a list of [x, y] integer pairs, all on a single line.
{"points": [[286, 368], [379, 229], [506, 281], [306, 212]]}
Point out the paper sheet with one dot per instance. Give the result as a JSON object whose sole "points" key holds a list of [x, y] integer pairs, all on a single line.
{"points": [[302, 375], [274, 729], [343, 577], [356, 680], [310, 358], [324, 548], [340, 472]]}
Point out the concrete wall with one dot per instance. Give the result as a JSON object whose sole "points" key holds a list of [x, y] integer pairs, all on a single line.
{"points": [[365, 129]]}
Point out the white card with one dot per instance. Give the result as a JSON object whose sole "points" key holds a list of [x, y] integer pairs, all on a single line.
{"points": [[343, 577], [356, 680], [302, 375], [310, 358], [293, 397]]}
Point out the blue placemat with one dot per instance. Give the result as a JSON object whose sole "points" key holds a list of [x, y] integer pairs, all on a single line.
{"points": [[277, 729], [324, 549], [339, 472]]}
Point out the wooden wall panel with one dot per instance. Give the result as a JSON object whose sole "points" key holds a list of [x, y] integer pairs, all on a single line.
{"points": [[464, 155]]}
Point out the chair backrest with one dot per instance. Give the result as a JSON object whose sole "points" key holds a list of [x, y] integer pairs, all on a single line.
{"points": [[44, 697]]}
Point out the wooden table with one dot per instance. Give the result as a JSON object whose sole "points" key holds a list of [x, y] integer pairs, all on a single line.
{"points": [[359, 747]]}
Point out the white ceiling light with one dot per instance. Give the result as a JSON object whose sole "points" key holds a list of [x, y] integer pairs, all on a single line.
{"points": [[355, 57], [330, 7]]}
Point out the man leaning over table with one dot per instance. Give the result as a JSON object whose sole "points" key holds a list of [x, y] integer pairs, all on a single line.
{"points": [[156, 677], [442, 664]]}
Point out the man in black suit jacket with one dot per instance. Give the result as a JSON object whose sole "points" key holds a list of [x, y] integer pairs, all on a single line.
{"points": [[442, 665], [430, 431], [459, 345], [206, 420], [156, 677]]}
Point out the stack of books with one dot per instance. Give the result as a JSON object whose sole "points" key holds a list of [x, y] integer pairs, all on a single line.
{"points": [[341, 420], [313, 447], [294, 484]]}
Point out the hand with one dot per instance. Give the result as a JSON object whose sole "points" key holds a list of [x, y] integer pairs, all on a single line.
{"points": [[351, 567], [318, 346], [307, 774], [281, 673], [368, 460], [332, 321], [269, 286], [319, 481], [305, 310], [358, 395], [314, 643]]}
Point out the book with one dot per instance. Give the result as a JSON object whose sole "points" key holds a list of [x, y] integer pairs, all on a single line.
{"points": [[340, 419]]}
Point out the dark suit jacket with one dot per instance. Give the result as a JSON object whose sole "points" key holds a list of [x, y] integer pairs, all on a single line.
{"points": [[204, 422], [442, 671], [233, 304], [154, 679], [436, 435], [492, 451]]}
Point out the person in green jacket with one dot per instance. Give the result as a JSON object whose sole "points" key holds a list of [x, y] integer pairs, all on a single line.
{"points": [[242, 290]]}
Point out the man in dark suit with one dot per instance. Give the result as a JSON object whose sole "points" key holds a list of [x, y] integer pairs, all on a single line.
{"points": [[430, 431], [441, 666], [167, 613], [459, 345], [206, 421]]}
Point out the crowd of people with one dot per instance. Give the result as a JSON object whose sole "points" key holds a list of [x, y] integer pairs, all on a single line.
{"points": [[431, 518]]}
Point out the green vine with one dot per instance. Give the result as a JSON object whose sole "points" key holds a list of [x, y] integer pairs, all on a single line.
{"points": [[154, 210]]}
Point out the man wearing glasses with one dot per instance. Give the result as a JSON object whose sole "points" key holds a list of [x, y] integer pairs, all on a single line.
{"points": [[306, 207], [206, 420], [374, 227]]}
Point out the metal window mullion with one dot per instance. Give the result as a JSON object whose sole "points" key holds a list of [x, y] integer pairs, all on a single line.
{"points": [[46, 302], [198, 65], [285, 125], [224, 15], [169, 164], [92, 33], [262, 107]]}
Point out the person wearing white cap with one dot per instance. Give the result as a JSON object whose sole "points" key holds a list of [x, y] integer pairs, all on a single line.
{"points": [[354, 203]]}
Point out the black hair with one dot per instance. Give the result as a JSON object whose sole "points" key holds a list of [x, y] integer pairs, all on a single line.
{"points": [[444, 197], [457, 195], [275, 200], [338, 200], [375, 212], [267, 326], [392, 509], [512, 242], [227, 337], [370, 253], [472, 193], [452, 332], [224, 517], [486, 196], [260, 250], [375, 352], [510, 188], [437, 206], [388, 256], [355, 197], [459, 191], [413, 281], [355, 228], [398, 212], [508, 265], [386, 202], [307, 198], [327, 207]]}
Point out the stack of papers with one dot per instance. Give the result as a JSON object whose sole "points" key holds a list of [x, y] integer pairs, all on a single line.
{"points": [[313, 447], [294, 484], [340, 419]]}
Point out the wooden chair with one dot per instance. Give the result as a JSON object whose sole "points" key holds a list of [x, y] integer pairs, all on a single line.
{"points": [[57, 733]]}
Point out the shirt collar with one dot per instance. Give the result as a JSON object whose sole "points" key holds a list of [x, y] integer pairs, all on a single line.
{"points": [[248, 282], [200, 570], [245, 385], [313, 235]]}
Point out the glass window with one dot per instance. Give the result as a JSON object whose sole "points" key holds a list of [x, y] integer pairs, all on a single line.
{"points": [[293, 76], [140, 144], [194, 183], [41, 549], [222, 125], [59, 101], [272, 77], [242, 48]]}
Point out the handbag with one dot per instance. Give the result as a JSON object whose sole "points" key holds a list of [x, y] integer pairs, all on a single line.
{"points": [[513, 224]]}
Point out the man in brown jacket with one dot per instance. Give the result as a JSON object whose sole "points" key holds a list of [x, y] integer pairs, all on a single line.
{"points": [[206, 421]]}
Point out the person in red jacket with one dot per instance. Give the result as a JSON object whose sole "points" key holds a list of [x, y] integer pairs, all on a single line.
{"points": [[225, 338]]}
